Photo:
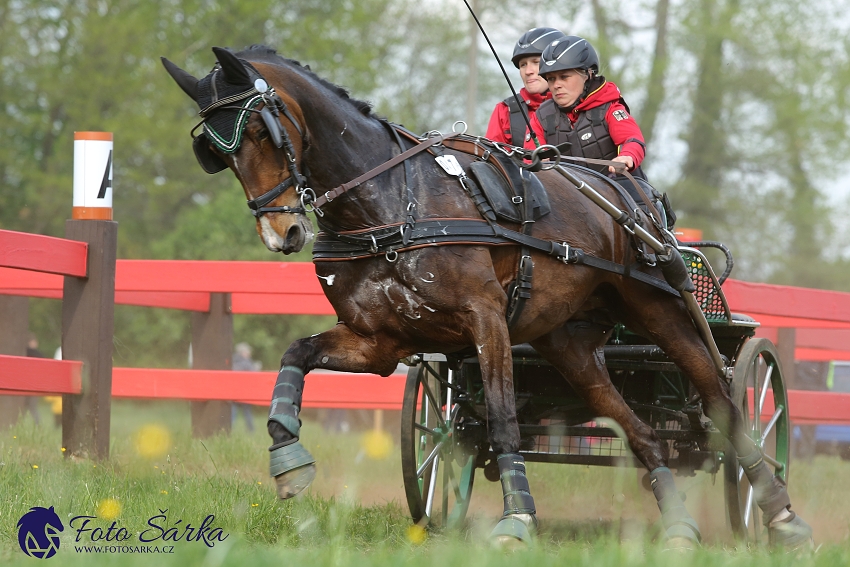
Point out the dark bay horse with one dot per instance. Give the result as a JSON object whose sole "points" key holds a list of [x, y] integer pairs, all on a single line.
{"points": [[280, 128]]}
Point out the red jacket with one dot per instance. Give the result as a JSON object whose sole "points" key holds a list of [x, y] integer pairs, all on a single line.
{"points": [[622, 125], [499, 128]]}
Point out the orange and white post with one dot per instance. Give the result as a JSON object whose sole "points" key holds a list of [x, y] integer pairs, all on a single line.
{"points": [[92, 176]]}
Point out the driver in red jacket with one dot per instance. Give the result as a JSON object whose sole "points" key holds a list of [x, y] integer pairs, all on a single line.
{"points": [[507, 124], [588, 112]]}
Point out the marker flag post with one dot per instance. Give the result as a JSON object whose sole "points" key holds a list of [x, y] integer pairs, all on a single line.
{"points": [[88, 303], [92, 176]]}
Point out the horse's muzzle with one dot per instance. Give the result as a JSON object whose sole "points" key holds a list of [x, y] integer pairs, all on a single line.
{"points": [[294, 240]]}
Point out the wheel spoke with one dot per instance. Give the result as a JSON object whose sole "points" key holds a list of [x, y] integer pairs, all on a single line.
{"points": [[433, 401], [764, 389], [756, 393], [432, 488], [434, 452], [421, 427], [776, 464], [749, 507], [449, 395], [453, 481], [770, 424]]}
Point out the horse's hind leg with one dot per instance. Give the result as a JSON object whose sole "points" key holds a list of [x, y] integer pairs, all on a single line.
{"points": [[575, 350], [337, 349], [671, 328]]}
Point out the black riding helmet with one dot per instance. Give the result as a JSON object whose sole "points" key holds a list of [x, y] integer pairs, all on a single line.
{"points": [[569, 52], [533, 41]]}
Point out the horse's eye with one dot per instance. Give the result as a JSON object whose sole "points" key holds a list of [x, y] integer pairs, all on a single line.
{"points": [[262, 134]]}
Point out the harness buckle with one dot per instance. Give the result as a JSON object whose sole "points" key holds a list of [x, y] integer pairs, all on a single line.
{"points": [[566, 259], [516, 200], [374, 248]]}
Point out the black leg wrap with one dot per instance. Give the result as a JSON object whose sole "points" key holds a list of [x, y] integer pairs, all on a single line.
{"points": [[674, 516], [518, 498], [286, 399], [770, 491]]}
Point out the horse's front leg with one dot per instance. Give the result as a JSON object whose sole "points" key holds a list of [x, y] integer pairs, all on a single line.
{"points": [[492, 342], [292, 466]]}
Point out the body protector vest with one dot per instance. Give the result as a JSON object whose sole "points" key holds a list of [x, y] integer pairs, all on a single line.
{"points": [[519, 130], [590, 138]]}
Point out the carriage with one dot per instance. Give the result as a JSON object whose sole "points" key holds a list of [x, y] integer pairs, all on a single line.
{"points": [[414, 257], [444, 438]]}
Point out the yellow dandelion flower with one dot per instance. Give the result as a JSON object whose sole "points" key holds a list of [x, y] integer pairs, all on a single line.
{"points": [[152, 441], [254, 505], [35, 466], [259, 483], [163, 492], [377, 444], [63, 449], [109, 509], [416, 534]]}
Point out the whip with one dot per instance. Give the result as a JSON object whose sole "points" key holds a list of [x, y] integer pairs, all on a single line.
{"points": [[513, 92]]}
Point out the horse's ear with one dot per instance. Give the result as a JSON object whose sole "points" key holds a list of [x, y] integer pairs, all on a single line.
{"points": [[234, 71], [184, 80]]}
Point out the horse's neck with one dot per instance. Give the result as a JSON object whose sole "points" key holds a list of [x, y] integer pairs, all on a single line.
{"points": [[344, 145]]}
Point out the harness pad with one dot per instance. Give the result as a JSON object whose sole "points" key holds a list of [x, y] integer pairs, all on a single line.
{"points": [[507, 196]]}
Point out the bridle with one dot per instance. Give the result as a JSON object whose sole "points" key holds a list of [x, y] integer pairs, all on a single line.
{"points": [[261, 93]]}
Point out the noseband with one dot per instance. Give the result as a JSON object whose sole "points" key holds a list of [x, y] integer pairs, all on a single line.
{"points": [[270, 111]]}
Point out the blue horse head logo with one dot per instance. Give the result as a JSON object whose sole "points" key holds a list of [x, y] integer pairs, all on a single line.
{"points": [[38, 532]]}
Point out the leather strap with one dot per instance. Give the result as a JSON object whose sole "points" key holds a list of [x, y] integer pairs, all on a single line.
{"points": [[332, 246], [336, 192], [620, 168]]}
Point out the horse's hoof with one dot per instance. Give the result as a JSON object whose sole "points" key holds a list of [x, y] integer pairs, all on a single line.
{"points": [[293, 469], [681, 544], [291, 483], [682, 535], [512, 533], [792, 534]]}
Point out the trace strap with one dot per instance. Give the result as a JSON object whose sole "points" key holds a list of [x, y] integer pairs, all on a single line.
{"points": [[336, 192]]}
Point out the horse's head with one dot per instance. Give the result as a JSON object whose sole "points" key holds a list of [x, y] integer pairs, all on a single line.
{"points": [[255, 131]]}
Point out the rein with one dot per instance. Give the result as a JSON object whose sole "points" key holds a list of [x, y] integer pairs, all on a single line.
{"points": [[344, 188]]}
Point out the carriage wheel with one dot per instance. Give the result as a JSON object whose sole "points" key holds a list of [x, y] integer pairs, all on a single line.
{"points": [[438, 474], [757, 378]]}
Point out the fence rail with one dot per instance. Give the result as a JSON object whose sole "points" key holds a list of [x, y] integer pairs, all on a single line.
{"points": [[40, 266]]}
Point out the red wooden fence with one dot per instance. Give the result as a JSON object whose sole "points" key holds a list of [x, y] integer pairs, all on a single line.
{"points": [[821, 317]]}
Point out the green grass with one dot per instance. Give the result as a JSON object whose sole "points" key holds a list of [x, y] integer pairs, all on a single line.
{"points": [[355, 513]]}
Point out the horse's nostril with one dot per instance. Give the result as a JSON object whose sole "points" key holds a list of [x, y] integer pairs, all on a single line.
{"points": [[293, 232]]}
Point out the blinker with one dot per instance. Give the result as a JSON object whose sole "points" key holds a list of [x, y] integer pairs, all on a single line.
{"points": [[273, 125], [208, 160]]}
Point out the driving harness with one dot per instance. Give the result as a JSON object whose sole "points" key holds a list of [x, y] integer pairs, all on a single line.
{"points": [[225, 109]]}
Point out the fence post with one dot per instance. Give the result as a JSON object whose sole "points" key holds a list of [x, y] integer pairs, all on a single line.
{"points": [[88, 305], [14, 313], [212, 349], [786, 344]]}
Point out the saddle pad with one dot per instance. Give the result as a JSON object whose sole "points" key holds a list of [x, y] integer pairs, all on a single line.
{"points": [[501, 193]]}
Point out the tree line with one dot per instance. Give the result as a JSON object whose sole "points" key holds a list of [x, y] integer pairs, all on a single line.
{"points": [[742, 103]]}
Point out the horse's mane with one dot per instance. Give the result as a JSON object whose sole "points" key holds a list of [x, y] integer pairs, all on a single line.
{"points": [[266, 54]]}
